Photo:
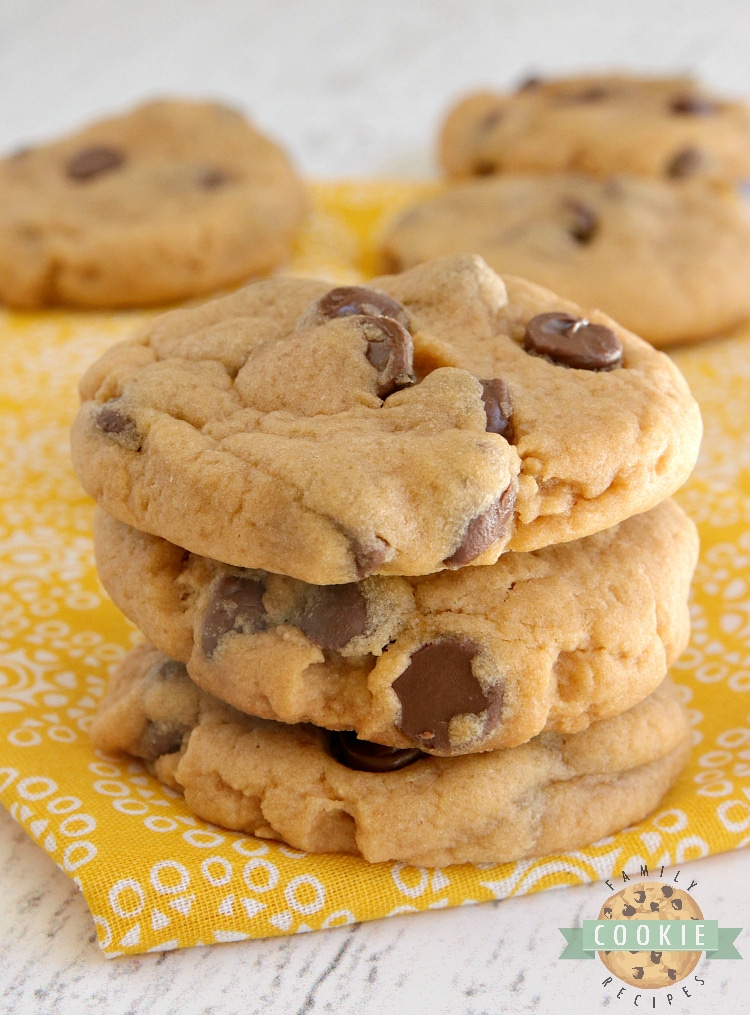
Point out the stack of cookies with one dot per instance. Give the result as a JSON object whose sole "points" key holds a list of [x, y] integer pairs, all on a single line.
{"points": [[614, 190], [405, 560]]}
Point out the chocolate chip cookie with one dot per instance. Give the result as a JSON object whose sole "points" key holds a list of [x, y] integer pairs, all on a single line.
{"points": [[599, 124], [325, 792], [456, 662], [170, 200], [427, 421], [668, 260]]}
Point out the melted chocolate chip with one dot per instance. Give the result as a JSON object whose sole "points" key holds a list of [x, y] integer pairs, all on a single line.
{"points": [[640, 897], [160, 738], [573, 342], [89, 163], [637, 971], [583, 220], [112, 420], [628, 910], [672, 974], [686, 162], [333, 615], [212, 177], [656, 958], [498, 408], [390, 350], [358, 300], [593, 94], [367, 559], [236, 604], [530, 83], [667, 891], [693, 105], [362, 756], [482, 531], [676, 903], [489, 120], [438, 685], [483, 167]]}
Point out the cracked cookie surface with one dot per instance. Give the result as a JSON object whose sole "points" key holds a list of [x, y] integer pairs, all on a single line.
{"points": [[336, 443], [452, 663], [284, 782], [599, 124], [170, 200], [668, 260]]}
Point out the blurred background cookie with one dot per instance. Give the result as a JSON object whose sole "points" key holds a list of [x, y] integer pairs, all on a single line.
{"points": [[600, 123], [668, 260], [170, 200]]}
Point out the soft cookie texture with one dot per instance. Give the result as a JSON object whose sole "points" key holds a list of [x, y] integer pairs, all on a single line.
{"points": [[171, 200], [335, 434], [453, 663], [599, 124], [326, 792], [669, 260]]}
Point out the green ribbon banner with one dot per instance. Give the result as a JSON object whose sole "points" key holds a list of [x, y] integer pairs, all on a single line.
{"points": [[650, 935]]}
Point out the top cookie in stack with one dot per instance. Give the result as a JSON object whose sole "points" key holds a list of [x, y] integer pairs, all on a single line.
{"points": [[429, 421]]}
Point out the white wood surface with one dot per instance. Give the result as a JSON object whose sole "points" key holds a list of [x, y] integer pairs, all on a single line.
{"points": [[351, 89]]}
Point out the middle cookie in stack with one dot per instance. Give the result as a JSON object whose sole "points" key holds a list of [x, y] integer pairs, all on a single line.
{"points": [[284, 470]]}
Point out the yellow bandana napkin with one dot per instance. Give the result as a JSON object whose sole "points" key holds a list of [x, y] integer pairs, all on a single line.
{"points": [[157, 878]]}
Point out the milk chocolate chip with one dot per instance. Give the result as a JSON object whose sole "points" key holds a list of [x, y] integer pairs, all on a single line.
{"points": [[333, 615], [359, 300], [593, 94], [367, 559], [573, 342], [163, 737], [212, 178], [583, 220], [114, 421], [390, 350], [686, 162], [236, 604], [693, 105], [439, 685], [483, 530], [362, 756], [89, 163], [160, 738], [530, 83], [489, 120], [498, 408]]}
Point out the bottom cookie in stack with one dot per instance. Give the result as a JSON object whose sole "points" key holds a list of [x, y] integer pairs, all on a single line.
{"points": [[330, 792]]}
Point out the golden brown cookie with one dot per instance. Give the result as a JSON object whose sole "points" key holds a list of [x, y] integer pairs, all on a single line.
{"points": [[452, 663], [331, 434], [170, 200], [326, 792], [599, 124], [667, 259]]}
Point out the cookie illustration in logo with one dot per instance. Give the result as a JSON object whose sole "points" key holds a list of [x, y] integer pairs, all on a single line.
{"points": [[650, 900]]}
